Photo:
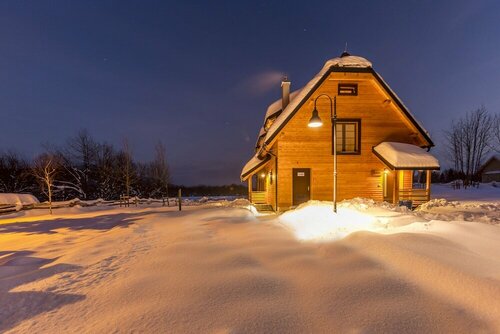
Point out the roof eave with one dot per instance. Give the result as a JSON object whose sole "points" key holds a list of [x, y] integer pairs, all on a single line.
{"points": [[251, 171], [388, 164]]}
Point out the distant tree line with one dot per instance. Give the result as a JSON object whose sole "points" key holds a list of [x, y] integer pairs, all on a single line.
{"points": [[469, 141], [203, 190], [87, 169]]}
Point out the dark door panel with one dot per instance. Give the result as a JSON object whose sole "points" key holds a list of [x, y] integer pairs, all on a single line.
{"points": [[301, 185]]}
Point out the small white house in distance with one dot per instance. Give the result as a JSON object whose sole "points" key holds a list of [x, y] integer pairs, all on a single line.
{"points": [[490, 171]]}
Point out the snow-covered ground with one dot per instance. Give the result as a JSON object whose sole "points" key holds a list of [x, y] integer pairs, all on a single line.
{"points": [[221, 268]]}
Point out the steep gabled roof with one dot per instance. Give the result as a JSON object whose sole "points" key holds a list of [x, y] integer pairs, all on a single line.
{"points": [[340, 64], [275, 107], [492, 157], [345, 63]]}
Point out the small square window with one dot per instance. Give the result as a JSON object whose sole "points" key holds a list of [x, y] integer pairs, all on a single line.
{"points": [[348, 89]]}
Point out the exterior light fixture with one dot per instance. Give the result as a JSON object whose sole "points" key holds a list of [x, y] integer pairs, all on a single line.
{"points": [[315, 122], [386, 171], [263, 175]]}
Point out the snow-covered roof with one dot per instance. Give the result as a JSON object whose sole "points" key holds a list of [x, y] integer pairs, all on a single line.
{"points": [[347, 61], [405, 156], [276, 105], [354, 62], [490, 159], [342, 63], [253, 165]]}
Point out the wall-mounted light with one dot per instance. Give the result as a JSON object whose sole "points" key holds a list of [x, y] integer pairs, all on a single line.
{"points": [[386, 171], [263, 175]]}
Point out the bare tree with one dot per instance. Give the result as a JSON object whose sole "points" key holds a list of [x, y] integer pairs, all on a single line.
{"points": [[107, 178], [468, 142], [45, 168], [14, 173], [127, 166], [81, 153], [160, 171]]}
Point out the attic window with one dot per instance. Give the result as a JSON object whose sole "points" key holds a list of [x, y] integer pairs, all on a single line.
{"points": [[348, 89]]}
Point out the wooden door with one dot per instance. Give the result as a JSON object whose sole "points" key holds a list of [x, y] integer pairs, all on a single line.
{"points": [[301, 185], [388, 185]]}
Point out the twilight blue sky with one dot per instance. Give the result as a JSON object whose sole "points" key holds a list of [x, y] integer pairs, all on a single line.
{"points": [[199, 74]]}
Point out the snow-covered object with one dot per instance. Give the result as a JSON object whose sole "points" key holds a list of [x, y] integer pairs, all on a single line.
{"points": [[348, 61], [277, 105], [315, 220], [254, 163], [224, 270], [402, 155], [17, 199]]}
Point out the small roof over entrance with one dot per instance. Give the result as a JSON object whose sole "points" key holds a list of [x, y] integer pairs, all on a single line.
{"points": [[253, 165], [405, 156]]}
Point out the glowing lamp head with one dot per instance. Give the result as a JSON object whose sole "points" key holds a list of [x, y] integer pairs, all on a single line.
{"points": [[263, 175], [315, 121], [386, 171]]}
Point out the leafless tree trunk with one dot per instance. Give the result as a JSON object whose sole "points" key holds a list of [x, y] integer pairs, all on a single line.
{"points": [[45, 168], [161, 170], [82, 152], [469, 140], [127, 171]]}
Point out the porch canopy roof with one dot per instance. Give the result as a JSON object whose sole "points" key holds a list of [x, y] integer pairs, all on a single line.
{"points": [[405, 156], [253, 165]]}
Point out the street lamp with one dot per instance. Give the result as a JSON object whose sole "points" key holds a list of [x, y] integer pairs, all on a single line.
{"points": [[316, 122]]}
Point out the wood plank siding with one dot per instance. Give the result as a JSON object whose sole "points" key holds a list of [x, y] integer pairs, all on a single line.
{"points": [[359, 175]]}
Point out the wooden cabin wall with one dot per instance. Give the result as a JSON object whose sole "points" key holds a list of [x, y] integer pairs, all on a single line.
{"points": [[271, 183], [405, 179], [304, 147]]}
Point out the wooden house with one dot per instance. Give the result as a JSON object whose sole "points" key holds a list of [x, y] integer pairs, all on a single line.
{"points": [[490, 170], [382, 150]]}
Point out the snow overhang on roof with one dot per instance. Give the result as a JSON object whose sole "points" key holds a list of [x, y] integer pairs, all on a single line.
{"points": [[301, 95], [253, 165], [275, 107], [340, 64], [405, 156]]}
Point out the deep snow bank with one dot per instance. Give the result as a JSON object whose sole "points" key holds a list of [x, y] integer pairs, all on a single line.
{"points": [[9, 200], [315, 220], [15, 199]]}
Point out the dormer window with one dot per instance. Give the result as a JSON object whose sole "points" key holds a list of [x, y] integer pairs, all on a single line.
{"points": [[348, 89]]}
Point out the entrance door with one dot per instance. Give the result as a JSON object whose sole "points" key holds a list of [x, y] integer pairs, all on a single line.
{"points": [[388, 185], [301, 185]]}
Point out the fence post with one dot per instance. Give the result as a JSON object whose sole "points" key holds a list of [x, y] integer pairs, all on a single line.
{"points": [[180, 199]]}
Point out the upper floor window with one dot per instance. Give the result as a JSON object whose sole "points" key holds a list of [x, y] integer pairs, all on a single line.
{"points": [[348, 136], [348, 89]]}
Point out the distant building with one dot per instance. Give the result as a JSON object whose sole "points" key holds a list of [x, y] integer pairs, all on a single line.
{"points": [[382, 150], [490, 171]]}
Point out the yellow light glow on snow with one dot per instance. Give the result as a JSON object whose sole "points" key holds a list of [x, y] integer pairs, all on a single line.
{"points": [[318, 221]]}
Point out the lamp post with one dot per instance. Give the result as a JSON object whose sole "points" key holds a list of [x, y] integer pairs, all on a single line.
{"points": [[316, 122]]}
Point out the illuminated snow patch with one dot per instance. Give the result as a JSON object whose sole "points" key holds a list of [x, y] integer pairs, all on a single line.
{"points": [[315, 220]]}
